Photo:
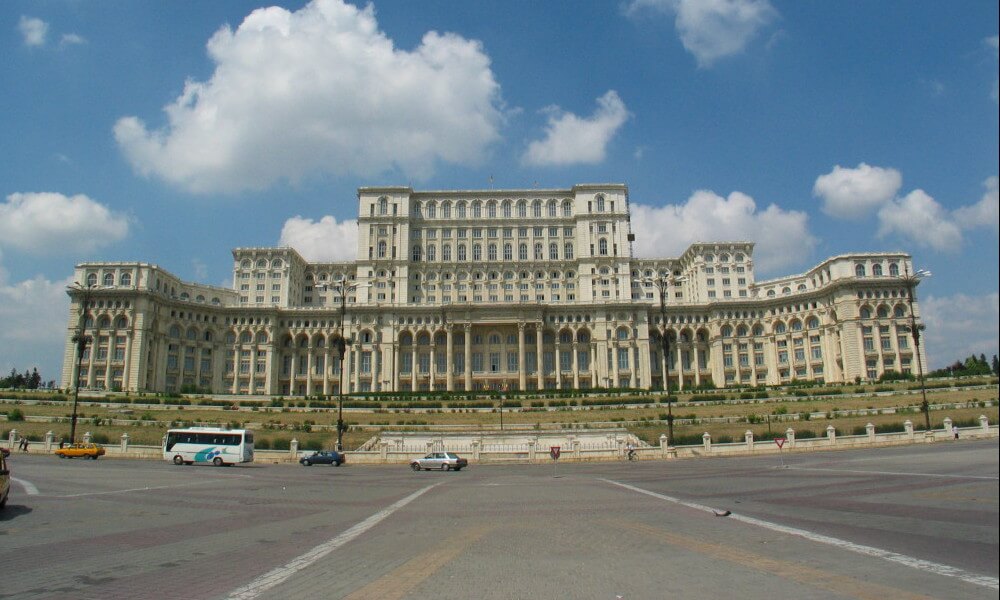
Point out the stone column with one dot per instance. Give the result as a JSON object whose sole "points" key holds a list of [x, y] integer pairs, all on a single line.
{"points": [[450, 360], [831, 434], [433, 364], [748, 436], [576, 363], [468, 357], [522, 377], [356, 367], [127, 364], [236, 369], [326, 370], [251, 387], [558, 364], [413, 365], [706, 440], [539, 358], [870, 431]]}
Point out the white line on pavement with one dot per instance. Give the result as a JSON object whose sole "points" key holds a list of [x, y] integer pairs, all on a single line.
{"points": [[29, 488], [150, 488], [909, 561], [280, 574], [860, 472]]}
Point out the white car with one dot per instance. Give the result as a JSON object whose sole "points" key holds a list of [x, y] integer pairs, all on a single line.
{"points": [[444, 461]]}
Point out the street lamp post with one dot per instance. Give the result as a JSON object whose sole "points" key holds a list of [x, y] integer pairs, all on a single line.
{"points": [[662, 284], [81, 340], [341, 344], [911, 284]]}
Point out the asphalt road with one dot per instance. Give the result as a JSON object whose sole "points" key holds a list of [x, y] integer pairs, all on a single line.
{"points": [[909, 522]]}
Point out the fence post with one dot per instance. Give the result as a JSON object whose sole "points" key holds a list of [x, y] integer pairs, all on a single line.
{"points": [[947, 426], [576, 449], [293, 448], [124, 443], [706, 440], [88, 437], [475, 450], [11, 437], [49, 440], [984, 423], [908, 427], [870, 430], [790, 436], [531, 450], [831, 434], [748, 436], [383, 451]]}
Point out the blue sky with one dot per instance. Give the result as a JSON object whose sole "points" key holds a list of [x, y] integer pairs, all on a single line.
{"points": [[171, 132]]}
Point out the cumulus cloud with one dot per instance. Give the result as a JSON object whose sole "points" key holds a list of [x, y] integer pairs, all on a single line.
{"points": [[323, 240], [320, 90], [33, 30], [919, 218], [853, 193], [985, 213], [713, 29], [570, 139], [782, 236], [960, 325], [34, 313], [51, 223]]}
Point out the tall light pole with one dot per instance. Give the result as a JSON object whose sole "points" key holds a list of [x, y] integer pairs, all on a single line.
{"points": [[911, 282], [81, 340], [662, 284], [341, 344]]}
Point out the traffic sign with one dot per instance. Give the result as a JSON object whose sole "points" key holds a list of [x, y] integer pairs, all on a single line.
{"points": [[554, 452], [780, 442]]}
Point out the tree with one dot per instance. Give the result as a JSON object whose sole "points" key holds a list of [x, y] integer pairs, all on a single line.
{"points": [[996, 365]]}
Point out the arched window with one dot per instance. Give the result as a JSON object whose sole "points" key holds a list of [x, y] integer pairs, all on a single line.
{"points": [[536, 208], [262, 263], [175, 331], [522, 209], [491, 210], [796, 325], [507, 213], [622, 333], [552, 208], [491, 252], [899, 311], [109, 279], [461, 252], [431, 252], [876, 270], [92, 279], [771, 294], [727, 331], [600, 203], [446, 210], [539, 252], [381, 249], [383, 206], [246, 337], [522, 252], [126, 279], [786, 290], [602, 247], [446, 252], [893, 270], [461, 210], [477, 252], [741, 331], [779, 327], [104, 322], [208, 336], [553, 251], [416, 254], [866, 313], [508, 252], [883, 311], [565, 337], [121, 323], [477, 210], [758, 330], [431, 210], [567, 208], [859, 270], [812, 323], [568, 251]]}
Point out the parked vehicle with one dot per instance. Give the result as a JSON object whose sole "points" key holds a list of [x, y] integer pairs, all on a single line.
{"points": [[445, 461], [4, 479], [91, 451], [325, 457]]}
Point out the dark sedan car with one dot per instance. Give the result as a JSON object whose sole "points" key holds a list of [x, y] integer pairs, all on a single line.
{"points": [[325, 457]]}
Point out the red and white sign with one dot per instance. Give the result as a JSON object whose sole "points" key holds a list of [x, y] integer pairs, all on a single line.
{"points": [[780, 442], [554, 452]]}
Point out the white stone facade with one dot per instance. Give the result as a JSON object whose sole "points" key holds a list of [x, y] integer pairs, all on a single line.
{"points": [[491, 289]]}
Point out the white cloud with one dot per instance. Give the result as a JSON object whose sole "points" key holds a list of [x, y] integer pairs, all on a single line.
{"points": [[985, 213], [323, 240], [782, 236], [713, 29], [920, 219], [853, 193], [320, 90], [34, 313], [51, 223], [71, 39], [33, 30], [570, 139], [960, 325], [200, 269]]}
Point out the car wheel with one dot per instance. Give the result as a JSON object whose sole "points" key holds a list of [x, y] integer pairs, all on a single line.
{"points": [[217, 461], [415, 466], [446, 467], [338, 463], [306, 463], [178, 460]]}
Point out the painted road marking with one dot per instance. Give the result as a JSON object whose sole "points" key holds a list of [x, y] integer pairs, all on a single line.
{"points": [[909, 561], [282, 573], [147, 488], [29, 488], [404, 579], [860, 472], [838, 584]]}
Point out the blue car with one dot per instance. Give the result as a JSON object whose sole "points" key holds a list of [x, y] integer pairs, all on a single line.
{"points": [[324, 457]]}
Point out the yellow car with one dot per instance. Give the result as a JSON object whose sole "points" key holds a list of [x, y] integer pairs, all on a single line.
{"points": [[81, 451]]}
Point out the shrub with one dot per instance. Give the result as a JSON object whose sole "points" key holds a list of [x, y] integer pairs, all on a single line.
{"points": [[15, 415], [262, 444], [100, 438], [281, 443]]}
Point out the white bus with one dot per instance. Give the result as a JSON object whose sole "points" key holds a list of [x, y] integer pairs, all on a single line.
{"points": [[208, 445]]}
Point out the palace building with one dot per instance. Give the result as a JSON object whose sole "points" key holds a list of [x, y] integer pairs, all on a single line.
{"points": [[490, 290]]}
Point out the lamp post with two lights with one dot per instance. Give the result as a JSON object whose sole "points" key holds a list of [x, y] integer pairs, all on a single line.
{"points": [[662, 283]]}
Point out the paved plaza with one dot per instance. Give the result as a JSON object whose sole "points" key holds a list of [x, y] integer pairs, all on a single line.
{"points": [[907, 522]]}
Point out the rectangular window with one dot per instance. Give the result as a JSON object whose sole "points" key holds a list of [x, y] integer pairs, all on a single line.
{"points": [[406, 364], [622, 359], [565, 361], [512, 362], [531, 362], [477, 362], [494, 362], [366, 362], [548, 362], [425, 362]]}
